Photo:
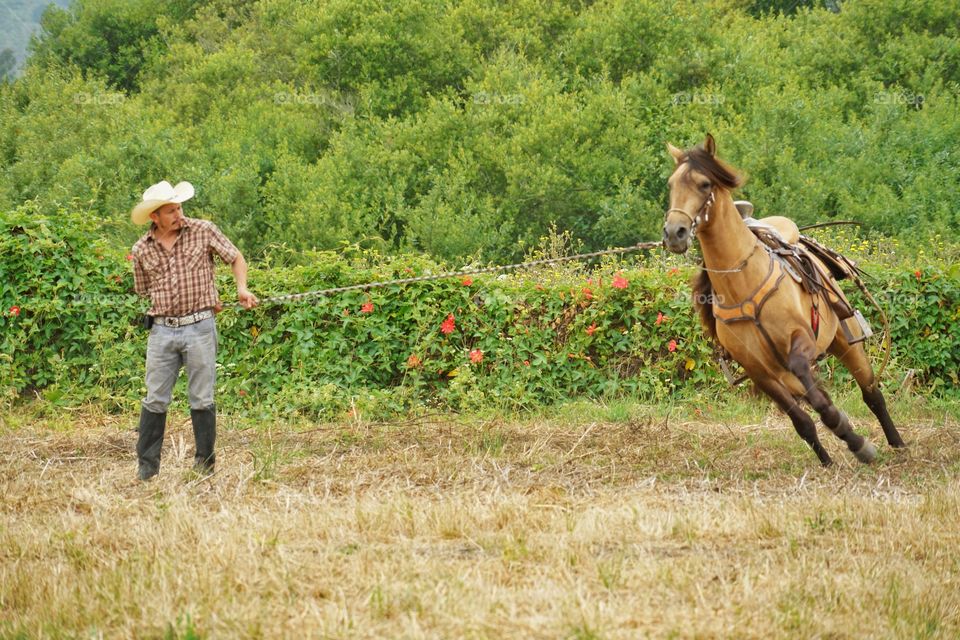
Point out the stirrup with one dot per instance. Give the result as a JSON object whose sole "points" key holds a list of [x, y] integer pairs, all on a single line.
{"points": [[727, 373], [865, 330]]}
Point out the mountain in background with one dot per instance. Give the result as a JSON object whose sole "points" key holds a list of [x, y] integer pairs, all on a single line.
{"points": [[19, 19]]}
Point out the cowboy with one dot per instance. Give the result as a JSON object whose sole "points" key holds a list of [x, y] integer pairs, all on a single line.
{"points": [[173, 265]]}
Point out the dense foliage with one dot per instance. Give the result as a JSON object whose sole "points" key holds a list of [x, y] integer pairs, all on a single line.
{"points": [[466, 128], [68, 328], [339, 141]]}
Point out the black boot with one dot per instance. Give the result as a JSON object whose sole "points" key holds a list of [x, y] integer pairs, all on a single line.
{"points": [[205, 434], [150, 442]]}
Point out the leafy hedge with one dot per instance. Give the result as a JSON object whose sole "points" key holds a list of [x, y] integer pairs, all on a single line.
{"points": [[467, 127], [69, 329]]}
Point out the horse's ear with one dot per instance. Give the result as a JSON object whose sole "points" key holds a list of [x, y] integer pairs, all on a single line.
{"points": [[710, 145], [676, 153]]}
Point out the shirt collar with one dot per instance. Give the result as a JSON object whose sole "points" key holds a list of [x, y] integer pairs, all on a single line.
{"points": [[151, 234]]}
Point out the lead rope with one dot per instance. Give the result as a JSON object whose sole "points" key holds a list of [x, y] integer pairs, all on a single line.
{"points": [[293, 297], [887, 340]]}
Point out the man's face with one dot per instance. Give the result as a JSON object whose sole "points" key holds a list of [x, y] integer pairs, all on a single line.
{"points": [[169, 218]]}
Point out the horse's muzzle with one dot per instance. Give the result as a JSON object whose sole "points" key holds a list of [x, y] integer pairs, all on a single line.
{"points": [[676, 237]]}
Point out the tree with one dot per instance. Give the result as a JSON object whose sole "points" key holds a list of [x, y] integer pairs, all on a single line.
{"points": [[8, 65]]}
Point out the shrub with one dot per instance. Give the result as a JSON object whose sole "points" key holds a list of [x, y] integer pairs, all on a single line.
{"points": [[69, 328]]}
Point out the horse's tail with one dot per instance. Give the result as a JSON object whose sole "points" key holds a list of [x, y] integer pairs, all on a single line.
{"points": [[703, 302]]}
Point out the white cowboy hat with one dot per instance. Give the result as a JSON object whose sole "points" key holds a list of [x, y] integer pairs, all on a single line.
{"points": [[157, 196]]}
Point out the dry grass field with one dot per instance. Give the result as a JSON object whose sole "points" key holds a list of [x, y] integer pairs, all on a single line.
{"points": [[569, 526]]}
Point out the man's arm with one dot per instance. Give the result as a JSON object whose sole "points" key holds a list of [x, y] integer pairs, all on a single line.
{"points": [[239, 267], [139, 278]]}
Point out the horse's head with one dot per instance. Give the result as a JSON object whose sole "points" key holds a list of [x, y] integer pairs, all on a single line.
{"points": [[694, 185]]}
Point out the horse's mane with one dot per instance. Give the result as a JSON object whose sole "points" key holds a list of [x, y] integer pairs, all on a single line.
{"points": [[718, 171], [703, 302], [722, 174]]}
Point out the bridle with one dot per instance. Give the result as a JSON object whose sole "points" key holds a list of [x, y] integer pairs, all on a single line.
{"points": [[703, 215]]}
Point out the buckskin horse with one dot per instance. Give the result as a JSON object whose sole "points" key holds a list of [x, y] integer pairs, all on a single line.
{"points": [[771, 324]]}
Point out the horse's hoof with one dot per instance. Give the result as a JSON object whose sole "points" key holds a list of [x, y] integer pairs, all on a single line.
{"points": [[867, 452]]}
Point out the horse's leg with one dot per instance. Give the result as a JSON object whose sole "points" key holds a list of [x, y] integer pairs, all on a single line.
{"points": [[802, 422], [854, 358], [802, 353]]}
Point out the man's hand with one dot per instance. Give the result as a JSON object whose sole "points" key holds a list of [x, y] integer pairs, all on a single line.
{"points": [[247, 299]]}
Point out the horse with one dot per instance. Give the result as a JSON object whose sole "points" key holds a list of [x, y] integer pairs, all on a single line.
{"points": [[770, 324]]}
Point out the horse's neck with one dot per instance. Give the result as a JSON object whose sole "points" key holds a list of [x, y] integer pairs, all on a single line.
{"points": [[726, 243]]}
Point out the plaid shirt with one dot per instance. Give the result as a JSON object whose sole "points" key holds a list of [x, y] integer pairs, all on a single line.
{"points": [[180, 281]]}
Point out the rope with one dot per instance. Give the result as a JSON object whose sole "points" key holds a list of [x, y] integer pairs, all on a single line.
{"points": [[295, 297], [642, 246], [887, 340]]}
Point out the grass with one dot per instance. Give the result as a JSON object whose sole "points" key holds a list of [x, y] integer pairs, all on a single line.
{"points": [[589, 521]]}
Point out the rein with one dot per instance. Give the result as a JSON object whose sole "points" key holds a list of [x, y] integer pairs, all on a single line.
{"points": [[737, 269]]}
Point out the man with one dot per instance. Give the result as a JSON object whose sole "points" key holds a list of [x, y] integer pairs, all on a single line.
{"points": [[173, 266]]}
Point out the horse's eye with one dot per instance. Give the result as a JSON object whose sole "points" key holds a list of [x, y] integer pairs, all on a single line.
{"points": [[705, 185]]}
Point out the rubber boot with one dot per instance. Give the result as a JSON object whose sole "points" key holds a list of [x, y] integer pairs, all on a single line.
{"points": [[150, 442], [204, 434]]}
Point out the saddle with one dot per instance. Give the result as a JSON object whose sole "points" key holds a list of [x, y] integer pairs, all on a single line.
{"points": [[804, 259], [815, 267]]}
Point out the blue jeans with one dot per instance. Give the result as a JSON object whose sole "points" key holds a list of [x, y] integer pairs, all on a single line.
{"points": [[194, 348]]}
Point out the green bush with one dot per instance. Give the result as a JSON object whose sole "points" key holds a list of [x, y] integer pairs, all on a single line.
{"points": [[466, 128], [622, 328], [67, 313]]}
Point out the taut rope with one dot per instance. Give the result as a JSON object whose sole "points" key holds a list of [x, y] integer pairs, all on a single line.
{"points": [[293, 297]]}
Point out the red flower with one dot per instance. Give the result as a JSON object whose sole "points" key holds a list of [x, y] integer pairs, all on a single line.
{"points": [[367, 307], [674, 271], [660, 317], [587, 293], [413, 361], [448, 325], [526, 363], [242, 392], [591, 329], [619, 282], [129, 257], [917, 273], [467, 281], [14, 310], [672, 346], [476, 356]]}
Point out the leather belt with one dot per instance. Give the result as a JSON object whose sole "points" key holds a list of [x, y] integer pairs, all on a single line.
{"points": [[183, 321]]}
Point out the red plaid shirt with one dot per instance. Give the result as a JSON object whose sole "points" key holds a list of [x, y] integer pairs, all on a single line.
{"points": [[180, 281]]}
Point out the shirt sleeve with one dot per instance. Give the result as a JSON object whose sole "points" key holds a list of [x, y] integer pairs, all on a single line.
{"points": [[140, 280], [222, 246]]}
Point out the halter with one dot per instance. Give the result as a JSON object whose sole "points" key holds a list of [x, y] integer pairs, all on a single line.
{"points": [[703, 213]]}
